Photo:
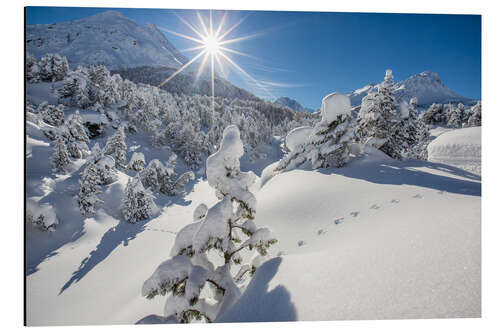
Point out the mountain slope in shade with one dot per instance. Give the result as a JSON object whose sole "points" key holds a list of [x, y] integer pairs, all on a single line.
{"points": [[292, 104], [108, 38], [426, 86]]}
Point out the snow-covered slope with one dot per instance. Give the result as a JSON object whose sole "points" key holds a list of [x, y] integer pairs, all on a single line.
{"points": [[108, 38], [426, 86], [376, 240], [459, 147]]}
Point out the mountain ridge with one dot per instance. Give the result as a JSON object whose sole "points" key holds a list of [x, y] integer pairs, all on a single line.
{"points": [[109, 38]]}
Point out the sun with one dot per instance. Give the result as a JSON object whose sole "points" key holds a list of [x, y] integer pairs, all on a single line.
{"points": [[211, 44]]}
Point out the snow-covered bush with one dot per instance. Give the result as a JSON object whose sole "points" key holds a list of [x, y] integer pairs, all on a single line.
{"points": [[327, 143], [137, 202], [60, 158], [221, 228], [41, 216], [137, 162]]}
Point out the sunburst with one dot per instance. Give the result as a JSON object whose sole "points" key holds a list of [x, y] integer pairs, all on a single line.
{"points": [[212, 44]]}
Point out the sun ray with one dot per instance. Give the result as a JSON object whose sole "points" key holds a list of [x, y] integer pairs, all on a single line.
{"points": [[190, 26], [202, 66], [233, 27], [239, 39], [219, 28], [182, 35], [212, 104], [247, 75], [186, 65], [221, 66], [237, 52], [194, 48], [202, 24]]}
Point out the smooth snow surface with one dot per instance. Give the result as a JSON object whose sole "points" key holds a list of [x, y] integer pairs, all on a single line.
{"points": [[459, 147], [375, 240]]}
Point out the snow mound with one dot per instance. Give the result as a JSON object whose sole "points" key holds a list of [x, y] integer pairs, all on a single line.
{"points": [[297, 136], [334, 105], [460, 148]]}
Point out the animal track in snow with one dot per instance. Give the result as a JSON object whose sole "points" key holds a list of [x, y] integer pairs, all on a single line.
{"points": [[354, 214], [374, 206], [394, 201], [339, 220], [418, 196]]}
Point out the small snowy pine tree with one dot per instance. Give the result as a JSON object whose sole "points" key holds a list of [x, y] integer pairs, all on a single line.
{"points": [[117, 148], [378, 122], [137, 202], [220, 228], [137, 162], [53, 67], [327, 145], [51, 114], [90, 181], [475, 118], [60, 158]]}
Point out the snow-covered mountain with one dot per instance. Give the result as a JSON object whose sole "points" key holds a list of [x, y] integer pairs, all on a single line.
{"points": [[426, 86], [292, 104], [108, 38]]}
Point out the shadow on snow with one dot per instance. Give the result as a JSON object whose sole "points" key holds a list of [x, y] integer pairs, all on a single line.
{"points": [[121, 234], [392, 172], [257, 304]]}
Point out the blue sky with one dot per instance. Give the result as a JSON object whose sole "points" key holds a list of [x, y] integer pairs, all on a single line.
{"points": [[306, 55]]}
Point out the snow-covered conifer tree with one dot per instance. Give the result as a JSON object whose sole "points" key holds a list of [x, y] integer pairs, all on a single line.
{"points": [[137, 162], [327, 145], [221, 228], [475, 118], [76, 89], [379, 125], [51, 114], [116, 147], [161, 179], [76, 128], [137, 202], [60, 158], [90, 181], [455, 117], [434, 115], [32, 69], [53, 67]]}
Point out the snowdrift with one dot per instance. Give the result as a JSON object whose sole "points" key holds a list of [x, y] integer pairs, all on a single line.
{"points": [[460, 148]]}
